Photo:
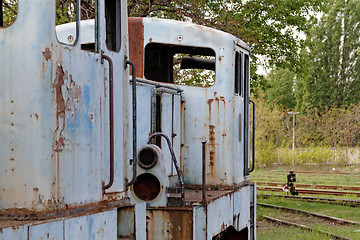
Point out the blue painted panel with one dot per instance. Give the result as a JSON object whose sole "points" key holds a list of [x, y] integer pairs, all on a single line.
{"points": [[14, 233], [48, 230], [100, 226]]}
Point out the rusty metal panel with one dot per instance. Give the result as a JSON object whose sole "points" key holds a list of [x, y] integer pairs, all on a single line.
{"points": [[48, 230], [14, 233], [136, 44], [95, 226], [166, 224]]}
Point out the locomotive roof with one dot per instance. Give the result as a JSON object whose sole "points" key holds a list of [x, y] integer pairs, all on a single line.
{"points": [[161, 29]]}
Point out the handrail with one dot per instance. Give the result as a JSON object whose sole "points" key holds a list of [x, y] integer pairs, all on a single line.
{"points": [[134, 160], [253, 138], [181, 178], [111, 118]]}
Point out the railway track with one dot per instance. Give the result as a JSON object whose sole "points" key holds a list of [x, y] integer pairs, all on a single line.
{"points": [[317, 215], [288, 223], [344, 202], [297, 212], [311, 191], [332, 187]]}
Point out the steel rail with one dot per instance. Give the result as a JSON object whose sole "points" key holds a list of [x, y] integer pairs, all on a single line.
{"points": [[335, 201], [328, 218], [304, 227], [311, 191], [334, 187]]}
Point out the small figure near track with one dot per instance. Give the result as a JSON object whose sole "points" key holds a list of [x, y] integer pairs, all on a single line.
{"points": [[291, 178]]}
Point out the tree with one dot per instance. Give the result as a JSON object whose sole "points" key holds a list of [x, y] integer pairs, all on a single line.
{"points": [[281, 87], [333, 76], [9, 8], [266, 25]]}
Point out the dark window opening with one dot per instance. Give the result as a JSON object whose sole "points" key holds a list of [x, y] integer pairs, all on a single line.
{"points": [[238, 74], [113, 24], [180, 64], [8, 12]]}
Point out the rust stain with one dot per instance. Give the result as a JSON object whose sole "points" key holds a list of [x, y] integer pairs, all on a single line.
{"points": [[212, 149], [136, 44], [47, 54], [60, 102], [60, 144], [169, 224]]}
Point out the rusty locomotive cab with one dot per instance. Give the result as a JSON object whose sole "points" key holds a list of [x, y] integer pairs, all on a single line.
{"points": [[89, 151]]}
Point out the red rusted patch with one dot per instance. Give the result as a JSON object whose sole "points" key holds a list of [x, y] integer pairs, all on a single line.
{"points": [[59, 144], [47, 54], [58, 82], [212, 149], [136, 44]]}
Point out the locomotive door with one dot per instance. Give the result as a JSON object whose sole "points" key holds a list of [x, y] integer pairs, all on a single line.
{"points": [[242, 91]]}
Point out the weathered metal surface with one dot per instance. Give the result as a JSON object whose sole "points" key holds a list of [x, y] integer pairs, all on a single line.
{"points": [[14, 233], [97, 226], [126, 222], [51, 230], [136, 44], [211, 113], [229, 210], [169, 224], [100, 225], [54, 114]]}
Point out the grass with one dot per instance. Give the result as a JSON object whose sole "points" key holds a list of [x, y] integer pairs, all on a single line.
{"points": [[271, 231], [349, 231]]}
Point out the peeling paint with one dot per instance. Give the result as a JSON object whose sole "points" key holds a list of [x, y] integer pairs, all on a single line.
{"points": [[47, 54]]}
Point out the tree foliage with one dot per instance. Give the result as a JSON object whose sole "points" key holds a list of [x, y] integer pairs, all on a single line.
{"points": [[332, 76], [281, 83], [9, 11]]}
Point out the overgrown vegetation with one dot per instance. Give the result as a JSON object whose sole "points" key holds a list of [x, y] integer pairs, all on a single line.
{"points": [[321, 136]]}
